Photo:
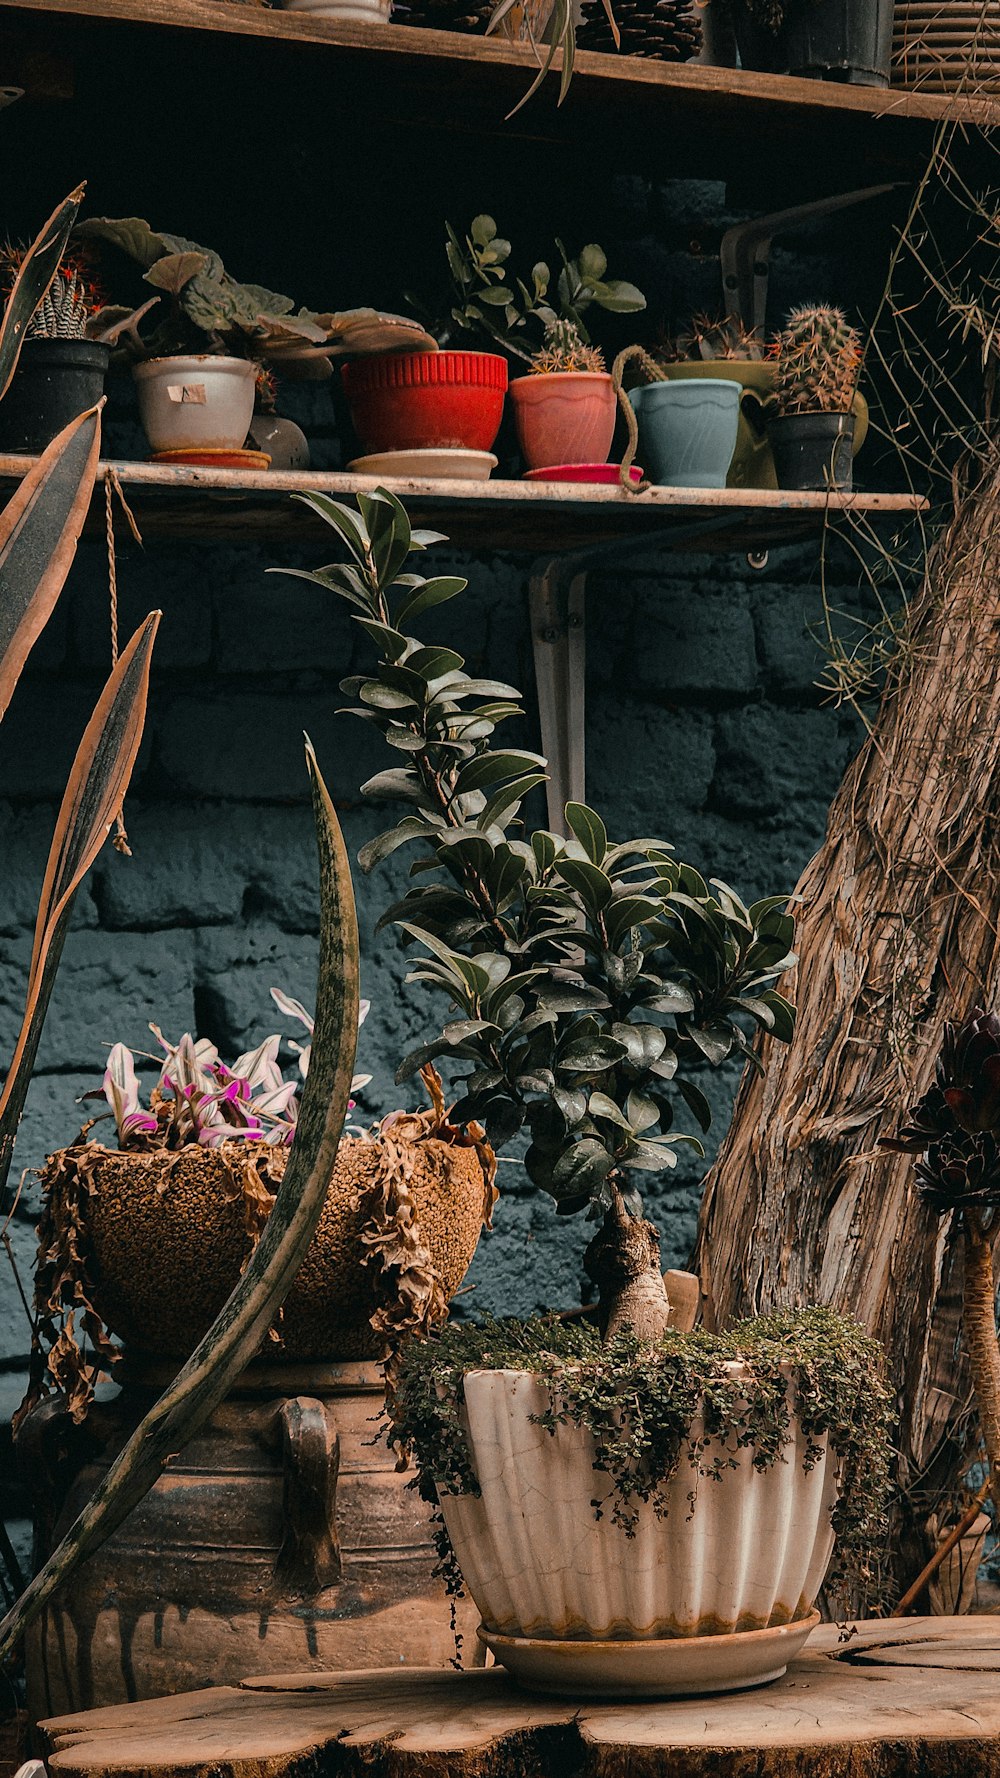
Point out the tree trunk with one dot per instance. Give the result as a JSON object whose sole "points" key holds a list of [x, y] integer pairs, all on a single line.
{"points": [[979, 1327], [897, 932], [623, 1260]]}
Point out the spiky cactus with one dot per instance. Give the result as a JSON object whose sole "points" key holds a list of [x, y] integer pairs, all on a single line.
{"points": [[817, 356], [709, 337], [564, 349]]}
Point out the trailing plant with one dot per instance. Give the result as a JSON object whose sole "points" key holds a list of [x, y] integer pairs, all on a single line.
{"points": [[589, 979], [564, 350], [817, 358], [487, 299], [955, 1131], [811, 1364]]}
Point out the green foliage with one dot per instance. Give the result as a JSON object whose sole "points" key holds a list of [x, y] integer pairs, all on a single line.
{"points": [[205, 310], [837, 1388], [817, 358], [587, 978], [488, 300]]}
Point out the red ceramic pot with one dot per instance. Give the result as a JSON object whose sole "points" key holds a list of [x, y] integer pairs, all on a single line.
{"points": [[414, 401], [565, 416]]}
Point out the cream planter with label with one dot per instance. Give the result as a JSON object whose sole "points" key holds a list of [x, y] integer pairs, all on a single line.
{"points": [[198, 402]]}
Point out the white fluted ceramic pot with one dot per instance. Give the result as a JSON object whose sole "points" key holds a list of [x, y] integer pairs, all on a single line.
{"points": [[540, 1564]]}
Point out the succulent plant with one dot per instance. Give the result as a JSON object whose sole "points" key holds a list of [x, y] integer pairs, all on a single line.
{"points": [[710, 337], [817, 359], [487, 301], [563, 349]]}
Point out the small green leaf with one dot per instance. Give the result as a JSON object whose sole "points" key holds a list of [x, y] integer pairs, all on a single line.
{"points": [[587, 827]]}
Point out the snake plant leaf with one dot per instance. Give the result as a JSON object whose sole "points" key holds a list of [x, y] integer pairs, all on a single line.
{"points": [[242, 1323], [93, 796], [37, 270], [39, 529]]}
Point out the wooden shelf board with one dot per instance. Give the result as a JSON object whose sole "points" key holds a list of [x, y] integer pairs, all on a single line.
{"points": [[458, 82], [217, 504]]}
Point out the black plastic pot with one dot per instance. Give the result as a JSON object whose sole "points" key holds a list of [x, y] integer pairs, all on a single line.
{"points": [[55, 380], [813, 450], [847, 40]]}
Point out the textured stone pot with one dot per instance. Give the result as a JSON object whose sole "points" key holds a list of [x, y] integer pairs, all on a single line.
{"points": [[197, 402], [282, 1539], [165, 1240], [538, 1563], [565, 416]]}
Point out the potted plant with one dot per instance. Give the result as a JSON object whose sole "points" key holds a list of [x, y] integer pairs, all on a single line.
{"points": [[565, 410], [810, 414], [849, 40], [590, 983], [687, 431], [403, 1212], [65, 354], [954, 1129]]}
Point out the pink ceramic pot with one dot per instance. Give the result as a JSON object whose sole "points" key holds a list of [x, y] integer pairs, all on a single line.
{"points": [[565, 416]]}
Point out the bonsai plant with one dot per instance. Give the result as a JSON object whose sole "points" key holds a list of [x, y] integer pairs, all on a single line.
{"points": [[810, 414], [402, 1216], [590, 981], [849, 40], [955, 1131]]}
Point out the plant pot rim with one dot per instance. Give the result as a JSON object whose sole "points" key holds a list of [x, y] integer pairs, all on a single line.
{"points": [[213, 360], [818, 413], [537, 377]]}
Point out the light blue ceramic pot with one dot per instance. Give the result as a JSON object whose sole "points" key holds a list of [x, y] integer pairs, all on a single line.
{"points": [[687, 430]]}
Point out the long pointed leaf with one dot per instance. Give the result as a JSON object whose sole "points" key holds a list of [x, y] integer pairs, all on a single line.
{"points": [[94, 794], [39, 530], [38, 268], [236, 1334]]}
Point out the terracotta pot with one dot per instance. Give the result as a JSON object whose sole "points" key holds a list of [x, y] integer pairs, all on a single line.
{"points": [[196, 402], [565, 416], [412, 401], [282, 1539], [187, 1209], [538, 1563]]}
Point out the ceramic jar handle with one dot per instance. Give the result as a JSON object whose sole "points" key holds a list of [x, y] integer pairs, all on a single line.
{"points": [[309, 1558]]}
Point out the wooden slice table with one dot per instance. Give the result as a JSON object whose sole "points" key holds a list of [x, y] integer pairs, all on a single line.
{"points": [[913, 1698]]}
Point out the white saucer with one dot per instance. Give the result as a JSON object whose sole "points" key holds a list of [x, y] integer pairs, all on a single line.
{"points": [[672, 1667], [447, 465]]}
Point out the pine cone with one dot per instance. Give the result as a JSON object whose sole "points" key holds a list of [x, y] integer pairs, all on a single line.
{"points": [[444, 15], [661, 30]]}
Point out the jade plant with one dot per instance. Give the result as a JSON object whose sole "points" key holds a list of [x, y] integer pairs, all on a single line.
{"points": [[489, 300], [955, 1131], [817, 358], [590, 980]]}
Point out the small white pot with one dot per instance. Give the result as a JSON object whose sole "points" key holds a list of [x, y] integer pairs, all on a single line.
{"points": [[751, 1555], [359, 12], [195, 403]]}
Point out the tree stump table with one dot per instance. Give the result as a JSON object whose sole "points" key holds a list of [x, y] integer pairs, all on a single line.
{"points": [[896, 1699]]}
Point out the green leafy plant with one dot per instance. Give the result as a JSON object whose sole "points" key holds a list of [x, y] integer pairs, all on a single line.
{"points": [[589, 979], [817, 357], [488, 300], [837, 1391], [955, 1131]]}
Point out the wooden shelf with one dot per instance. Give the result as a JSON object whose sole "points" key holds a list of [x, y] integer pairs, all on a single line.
{"points": [[545, 518], [709, 120]]}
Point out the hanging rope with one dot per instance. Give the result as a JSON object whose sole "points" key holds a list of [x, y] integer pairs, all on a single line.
{"points": [[113, 486], [654, 375]]}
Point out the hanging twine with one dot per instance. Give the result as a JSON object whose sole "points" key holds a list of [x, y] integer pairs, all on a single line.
{"points": [[113, 485], [654, 375]]}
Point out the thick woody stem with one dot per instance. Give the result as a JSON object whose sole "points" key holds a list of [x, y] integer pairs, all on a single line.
{"points": [[623, 1260], [979, 1316]]}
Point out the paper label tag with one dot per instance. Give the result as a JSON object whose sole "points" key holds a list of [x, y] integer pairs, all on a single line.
{"points": [[187, 392]]}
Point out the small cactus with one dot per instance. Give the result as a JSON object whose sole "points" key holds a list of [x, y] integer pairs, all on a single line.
{"points": [[564, 349], [63, 312], [817, 358], [710, 337]]}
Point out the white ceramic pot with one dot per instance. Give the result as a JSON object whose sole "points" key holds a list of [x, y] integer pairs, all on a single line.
{"points": [[359, 12], [198, 402], [751, 1555]]}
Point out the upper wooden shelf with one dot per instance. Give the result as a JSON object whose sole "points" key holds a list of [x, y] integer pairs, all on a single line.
{"points": [[701, 116], [545, 518]]}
